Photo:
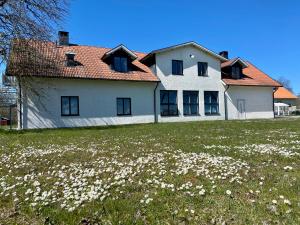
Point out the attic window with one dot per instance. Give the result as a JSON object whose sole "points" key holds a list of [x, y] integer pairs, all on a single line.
{"points": [[236, 72], [70, 59], [120, 64]]}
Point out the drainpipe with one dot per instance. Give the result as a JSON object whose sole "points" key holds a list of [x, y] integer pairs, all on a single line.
{"points": [[274, 102], [20, 105], [154, 98], [225, 103]]}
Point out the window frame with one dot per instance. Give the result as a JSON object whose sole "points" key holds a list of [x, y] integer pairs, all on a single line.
{"points": [[234, 70], [173, 70], [123, 109], [212, 104], [69, 102], [190, 104], [120, 61], [169, 104], [206, 72]]}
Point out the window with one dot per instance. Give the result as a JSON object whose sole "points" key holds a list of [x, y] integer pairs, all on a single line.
{"points": [[190, 103], [211, 101], [120, 64], [70, 106], [177, 67], [202, 69], [123, 106], [236, 72], [168, 103]]}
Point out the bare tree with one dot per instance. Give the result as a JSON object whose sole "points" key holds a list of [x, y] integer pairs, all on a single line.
{"points": [[28, 19], [285, 83]]}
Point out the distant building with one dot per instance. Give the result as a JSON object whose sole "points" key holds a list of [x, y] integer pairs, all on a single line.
{"points": [[283, 95]]}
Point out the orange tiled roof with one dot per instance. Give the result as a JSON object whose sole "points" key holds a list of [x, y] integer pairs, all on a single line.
{"points": [[48, 60], [252, 77], [283, 93]]}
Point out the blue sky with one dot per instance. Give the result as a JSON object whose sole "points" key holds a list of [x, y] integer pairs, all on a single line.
{"points": [[265, 32]]}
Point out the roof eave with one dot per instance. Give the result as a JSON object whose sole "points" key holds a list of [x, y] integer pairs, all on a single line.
{"points": [[123, 47], [221, 58]]}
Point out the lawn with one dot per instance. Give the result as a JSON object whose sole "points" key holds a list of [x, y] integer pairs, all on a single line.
{"points": [[221, 172]]}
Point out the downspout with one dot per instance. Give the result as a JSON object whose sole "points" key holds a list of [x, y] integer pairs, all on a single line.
{"points": [[154, 98], [20, 105], [225, 102], [274, 102], [154, 93]]}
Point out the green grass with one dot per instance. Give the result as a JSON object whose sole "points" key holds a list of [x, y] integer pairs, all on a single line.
{"points": [[249, 158]]}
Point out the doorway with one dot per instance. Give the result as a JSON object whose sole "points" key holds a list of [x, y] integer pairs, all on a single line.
{"points": [[241, 107]]}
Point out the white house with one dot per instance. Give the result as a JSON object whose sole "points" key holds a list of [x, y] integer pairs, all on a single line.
{"points": [[67, 85]]}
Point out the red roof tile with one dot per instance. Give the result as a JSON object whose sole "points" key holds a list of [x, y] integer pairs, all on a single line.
{"points": [[283, 93], [252, 77], [48, 60]]}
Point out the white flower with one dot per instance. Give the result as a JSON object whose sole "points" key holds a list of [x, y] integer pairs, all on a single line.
{"points": [[36, 183], [286, 201], [202, 192], [228, 192], [274, 201], [148, 200], [288, 168]]}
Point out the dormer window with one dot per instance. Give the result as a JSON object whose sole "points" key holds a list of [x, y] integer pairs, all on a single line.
{"points": [[70, 59], [120, 59], [120, 64], [236, 72]]}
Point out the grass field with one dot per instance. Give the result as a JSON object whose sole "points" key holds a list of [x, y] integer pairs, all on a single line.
{"points": [[225, 172]]}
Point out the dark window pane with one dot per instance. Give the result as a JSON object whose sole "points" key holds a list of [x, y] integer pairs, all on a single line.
{"points": [[65, 106], [120, 64], [194, 109], [123, 64], [207, 109], [127, 107], [119, 106], [173, 97], [117, 63], [168, 103], [164, 96], [207, 97], [186, 98], [211, 101], [74, 105], [202, 68], [164, 110], [214, 97], [194, 98], [186, 109], [177, 67], [123, 106], [173, 110], [214, 109]]}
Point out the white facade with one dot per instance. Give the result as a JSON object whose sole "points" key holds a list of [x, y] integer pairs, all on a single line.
{"points": [[189, 81], [97, 103], [98, 98], [246, 102]]}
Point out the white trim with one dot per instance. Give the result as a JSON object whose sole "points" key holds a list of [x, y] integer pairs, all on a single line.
{"points": [[134, 56], [241, 61], [186, 44]]}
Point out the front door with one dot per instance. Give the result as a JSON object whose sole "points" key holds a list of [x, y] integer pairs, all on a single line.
{"points": [[241, 105]]}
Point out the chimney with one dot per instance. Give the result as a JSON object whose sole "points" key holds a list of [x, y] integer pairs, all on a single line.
{"points": [[224, 54], [63, 38]]}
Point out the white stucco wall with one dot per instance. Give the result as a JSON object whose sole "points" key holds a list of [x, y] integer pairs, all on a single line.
{"points": [[97, 103], [190, 81], [258, 102]]}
